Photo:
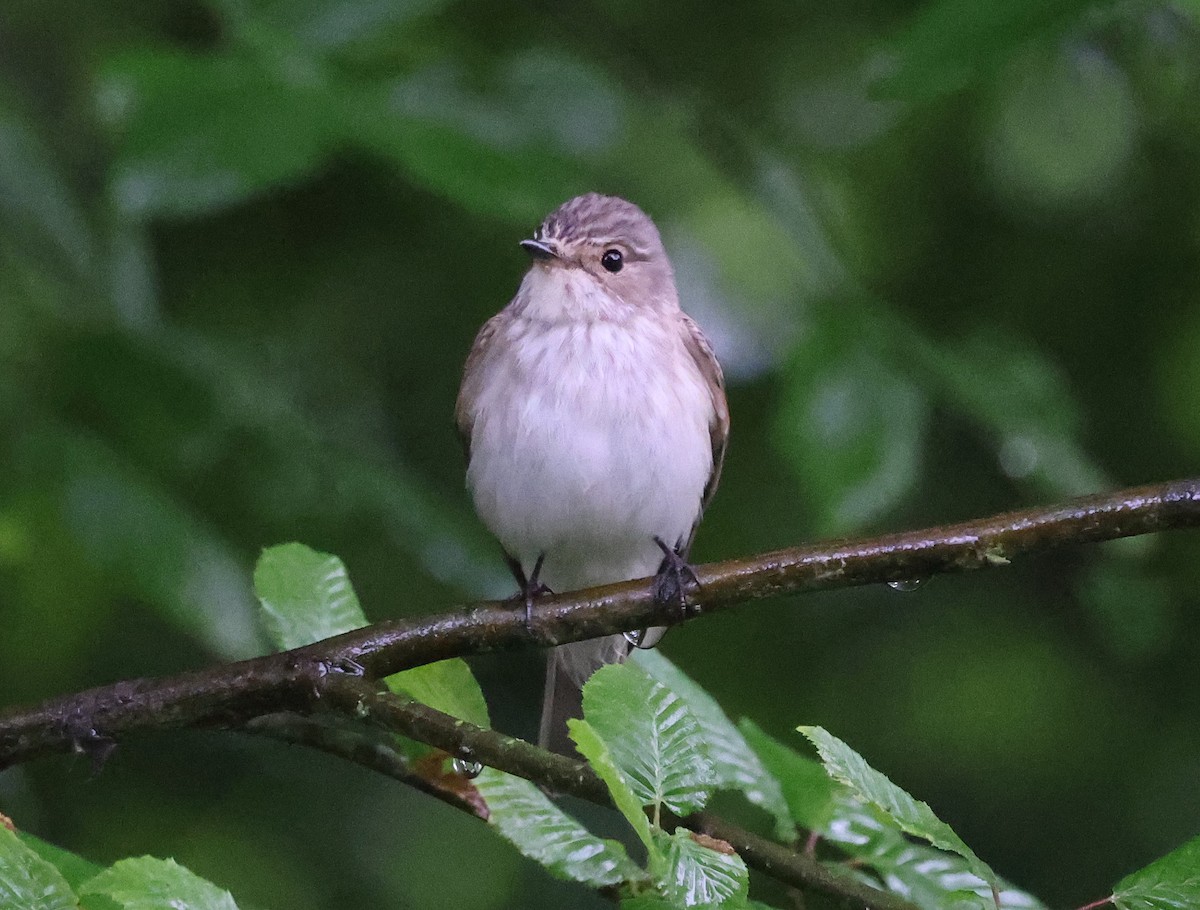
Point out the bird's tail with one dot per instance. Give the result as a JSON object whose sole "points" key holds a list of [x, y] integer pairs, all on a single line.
{"points": [[567, 669]]}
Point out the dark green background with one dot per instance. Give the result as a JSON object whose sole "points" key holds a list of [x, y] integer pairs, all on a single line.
{"points": [[948, 253]]}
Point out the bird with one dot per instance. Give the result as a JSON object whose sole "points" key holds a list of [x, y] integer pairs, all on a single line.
{"points": [[594, 419]]}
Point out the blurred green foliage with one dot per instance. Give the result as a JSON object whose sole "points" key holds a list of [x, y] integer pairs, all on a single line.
{"points": [[949, 253]]}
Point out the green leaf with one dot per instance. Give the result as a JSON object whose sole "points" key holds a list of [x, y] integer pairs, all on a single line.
{"points": [[482, 176], [146, 883], [1022, 399], [594, 749], [1170, 883], [929, 877], [811, 795], [953, 42], [697, 875], [37, 207], [306, 596], [851, 425], [323, 26], [142, 536], [1002, 383], [527, 819], [647, 902], [447, 685], [74, 868], [653, 738], [29, 882], [196, 133], [913, 816], [936, 880], [735, 765]]}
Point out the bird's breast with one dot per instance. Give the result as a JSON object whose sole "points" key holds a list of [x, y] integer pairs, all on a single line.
{"points": [[588, 440]]}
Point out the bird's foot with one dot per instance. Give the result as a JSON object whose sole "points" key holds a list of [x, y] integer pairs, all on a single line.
{"points": [[672, 579], [530, 587]]}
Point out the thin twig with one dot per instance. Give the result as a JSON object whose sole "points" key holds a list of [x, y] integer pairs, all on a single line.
{"points": [[374, 753], [403, 715]]}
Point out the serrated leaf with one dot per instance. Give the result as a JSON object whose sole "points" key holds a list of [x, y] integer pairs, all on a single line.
{"points": [[1170, 883], [447, 685], [74, 868], [28, 881], [647, 902], [735, 764], [653, 738], [146, 883], [912, 815], [656, 902], [594, 749], [527, 819], [305, 596], [808, 791], [928, 877], [934, 880], [697, 875]]}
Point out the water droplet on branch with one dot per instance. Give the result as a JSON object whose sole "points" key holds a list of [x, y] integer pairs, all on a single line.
{"points": [[906, 584], [467, 768]]}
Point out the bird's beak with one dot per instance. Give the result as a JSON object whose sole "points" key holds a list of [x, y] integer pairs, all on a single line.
{"points": [[539, 249]]}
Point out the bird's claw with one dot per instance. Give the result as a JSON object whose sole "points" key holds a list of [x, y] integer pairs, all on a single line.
{"points": [[672, 578], [530, 588]]}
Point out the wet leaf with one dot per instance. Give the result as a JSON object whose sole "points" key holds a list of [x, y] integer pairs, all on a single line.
{"points": [[28, 881], [811, 795], [447, 685], [735, 765], [147, 883], [595, 751], [1170, 883], [74, 868], [913, 816], [305, 596], [697, 875], [527, 819], [652, 736]]}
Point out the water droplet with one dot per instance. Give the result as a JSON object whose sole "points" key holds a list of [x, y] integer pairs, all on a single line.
{"points": [[906, 584], [634, 637], [467, 768]]}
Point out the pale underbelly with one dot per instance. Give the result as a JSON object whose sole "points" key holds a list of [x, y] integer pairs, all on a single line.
{"points": [[589, 484]]}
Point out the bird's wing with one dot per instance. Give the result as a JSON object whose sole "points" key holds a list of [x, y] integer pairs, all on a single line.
{"points": [[718, 428], [474, 375]]}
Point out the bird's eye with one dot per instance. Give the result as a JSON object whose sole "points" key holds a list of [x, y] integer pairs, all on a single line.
{"points": [[612, 260]]}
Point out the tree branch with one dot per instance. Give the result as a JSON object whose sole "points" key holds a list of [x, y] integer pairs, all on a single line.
{"points": [[322, 676], [232, 694], [402, 715]]}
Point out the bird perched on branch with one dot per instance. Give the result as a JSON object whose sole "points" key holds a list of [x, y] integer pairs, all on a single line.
{"points": [[594, 418]]}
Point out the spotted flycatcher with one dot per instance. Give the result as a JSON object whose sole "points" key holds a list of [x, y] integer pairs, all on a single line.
{"points": [[594, 418]]}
